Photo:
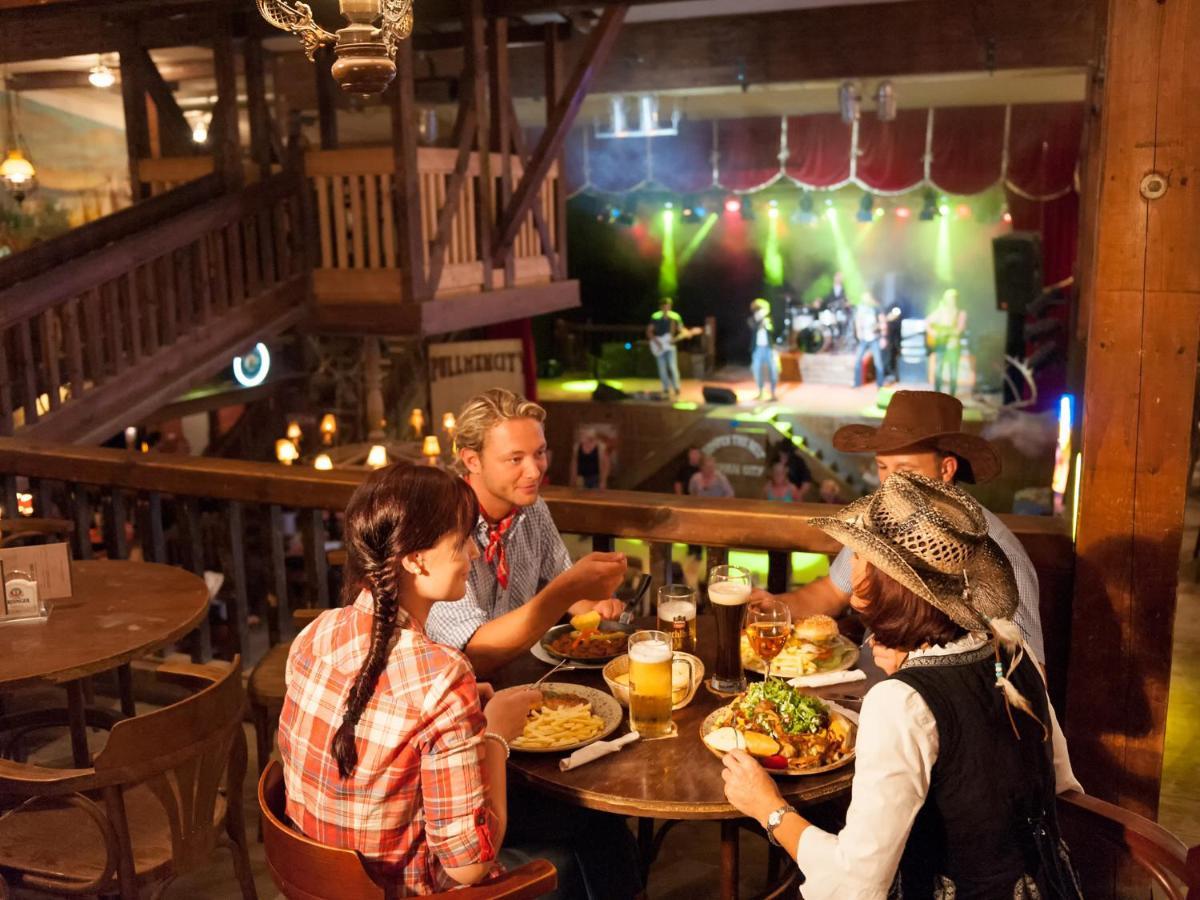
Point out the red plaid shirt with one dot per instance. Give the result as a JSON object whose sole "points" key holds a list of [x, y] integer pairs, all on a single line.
{"points": [[415, 804]]}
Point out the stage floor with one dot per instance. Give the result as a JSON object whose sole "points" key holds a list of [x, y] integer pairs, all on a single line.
{"points": [[792, 397]]}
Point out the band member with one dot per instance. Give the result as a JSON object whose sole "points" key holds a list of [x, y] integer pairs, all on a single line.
{"points": [[870, 328], [763, 363], [945, 325], [665, 328]]}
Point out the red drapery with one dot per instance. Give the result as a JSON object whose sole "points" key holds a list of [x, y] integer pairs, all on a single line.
{"points": [[891, 155], [818, 150]]}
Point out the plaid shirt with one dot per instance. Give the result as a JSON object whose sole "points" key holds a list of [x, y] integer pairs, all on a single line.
{"points": [[1027, 617], [416, 804], [536, 555]]}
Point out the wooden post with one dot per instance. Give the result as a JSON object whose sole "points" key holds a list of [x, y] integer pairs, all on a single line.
{"points": [[1142, 341], [554, 88], [137, 123], [326, 99], [410, 253], [476, 65], [256, 102], [500, 91], [226, 143]]}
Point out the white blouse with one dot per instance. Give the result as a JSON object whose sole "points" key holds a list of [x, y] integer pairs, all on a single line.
{"points": [[896, 748]]}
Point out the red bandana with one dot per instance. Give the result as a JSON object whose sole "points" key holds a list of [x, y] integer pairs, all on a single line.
{"points": [[495, 548]]}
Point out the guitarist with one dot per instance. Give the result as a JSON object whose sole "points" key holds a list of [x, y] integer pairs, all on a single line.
{"points": [[664, 331]]}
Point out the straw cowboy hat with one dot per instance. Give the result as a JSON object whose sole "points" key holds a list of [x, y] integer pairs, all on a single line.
{"points": [[926, 418], [932, 538]]}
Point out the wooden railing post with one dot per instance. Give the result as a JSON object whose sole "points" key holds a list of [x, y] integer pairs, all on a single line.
{"points": [[410, 256]]}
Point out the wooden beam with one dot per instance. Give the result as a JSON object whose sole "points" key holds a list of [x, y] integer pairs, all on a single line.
{"points": [[1143, 338], [174, 133], [557, 268], [406, 183], [256, 104], [327, 102], [476, 67], [499, 90], [447, 314], [555, 76], [600, 44], [137, 124], [226, 142], [462, 137]]}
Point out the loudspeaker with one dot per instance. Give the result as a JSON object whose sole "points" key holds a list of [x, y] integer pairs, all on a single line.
{"points": [[719, 396], [1017, 258], [606, 393]]}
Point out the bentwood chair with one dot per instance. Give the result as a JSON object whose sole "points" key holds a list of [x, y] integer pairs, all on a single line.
{"points": [[1118, 853], [303, 869], [164, 791]]}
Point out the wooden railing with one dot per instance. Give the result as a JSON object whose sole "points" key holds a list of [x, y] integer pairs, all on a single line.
{"points": [[128, 324], [356, 225], [229, 515]]}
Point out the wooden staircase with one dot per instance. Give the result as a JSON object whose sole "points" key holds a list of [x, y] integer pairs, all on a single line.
{"points": [[152, 301]]}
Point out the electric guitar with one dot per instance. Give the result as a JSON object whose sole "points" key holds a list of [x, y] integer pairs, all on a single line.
{"points": [[660, 344]]}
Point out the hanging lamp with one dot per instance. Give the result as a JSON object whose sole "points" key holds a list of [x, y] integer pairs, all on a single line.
{"points": [[17, 173]]}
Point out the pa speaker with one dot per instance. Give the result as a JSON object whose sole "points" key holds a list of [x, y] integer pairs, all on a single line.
{"points": [[606, 393], [1018, 262], [719, 396]]}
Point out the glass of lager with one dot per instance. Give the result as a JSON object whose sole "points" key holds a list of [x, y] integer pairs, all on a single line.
{"points": [[728, 592], [677, 616], [650, 700]]}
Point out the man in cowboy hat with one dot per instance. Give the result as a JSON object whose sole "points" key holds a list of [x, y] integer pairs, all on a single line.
{"points": [[922, 433]]}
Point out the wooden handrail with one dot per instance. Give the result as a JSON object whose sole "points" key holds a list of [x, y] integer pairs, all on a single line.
{"points": [[29, 298], [103, 231], [757, 524]]}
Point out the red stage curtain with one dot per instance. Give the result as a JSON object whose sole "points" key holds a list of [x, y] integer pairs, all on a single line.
{"points": [[1057, 221], [748, 152], [819, 150], [892, 154], [968, 148], [683, 163], [617, 165], [1043, 147]]}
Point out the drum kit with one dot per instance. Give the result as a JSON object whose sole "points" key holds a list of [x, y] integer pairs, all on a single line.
{"points": [[822, 331]]}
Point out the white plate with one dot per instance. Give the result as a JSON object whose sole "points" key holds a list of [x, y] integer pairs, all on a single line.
{"points": [[540, 653], [603, 706]]}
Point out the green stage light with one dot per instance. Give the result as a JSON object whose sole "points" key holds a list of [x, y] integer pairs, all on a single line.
{"points": [[589, 386], [943, 260], [697, 239], [847, 260], [772, 258], [668, 272]]}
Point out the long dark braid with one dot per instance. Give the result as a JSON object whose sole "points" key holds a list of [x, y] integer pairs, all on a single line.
{"points": [[395, 512]]}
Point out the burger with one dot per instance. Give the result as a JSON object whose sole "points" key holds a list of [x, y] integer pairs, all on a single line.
{"points": [[815, 629], [815, 645]]}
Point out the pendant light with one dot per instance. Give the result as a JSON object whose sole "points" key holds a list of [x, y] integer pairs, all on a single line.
{"points": [[17, 173]]}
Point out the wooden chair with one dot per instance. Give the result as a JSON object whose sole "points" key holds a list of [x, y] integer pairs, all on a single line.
{"points": [[1119, 853], [164, 791], [305, 870], [14, 532]]}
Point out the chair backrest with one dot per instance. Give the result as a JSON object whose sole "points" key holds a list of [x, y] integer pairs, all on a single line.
{"points": [[301, 868], [185, 754], [1118, 853], [17, 532]]}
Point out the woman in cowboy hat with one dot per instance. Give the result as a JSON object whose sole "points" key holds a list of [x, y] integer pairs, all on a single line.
{"points": [[922, 433], [959, 755]]}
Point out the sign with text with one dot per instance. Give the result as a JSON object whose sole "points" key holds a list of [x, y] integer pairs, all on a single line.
{"points": [[49, 564], [459, 371]]}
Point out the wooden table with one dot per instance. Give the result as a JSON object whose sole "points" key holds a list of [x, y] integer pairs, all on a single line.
{"points": [[118, 611], [674, 779]]}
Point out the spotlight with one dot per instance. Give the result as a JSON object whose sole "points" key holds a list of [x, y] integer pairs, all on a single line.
{"points": [[885, 101], [668, 205], [943, 209], [773, 209], [929, 207], [805, 215], [866, 208], [964, 211], [732, 205], [1007, 217], [831, 213], [100, 75], [747, 211], [849, 101], [903, 212]]}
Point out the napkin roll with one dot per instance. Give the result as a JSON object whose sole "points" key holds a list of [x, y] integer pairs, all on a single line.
{"points": [[592, 752], [825, 679]]}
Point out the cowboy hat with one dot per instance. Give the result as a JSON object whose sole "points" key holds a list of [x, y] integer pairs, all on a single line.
{"points": [[923, 418], [932, 538]]}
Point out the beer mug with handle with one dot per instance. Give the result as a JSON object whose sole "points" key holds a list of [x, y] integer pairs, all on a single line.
{"points": [[651, 693]]}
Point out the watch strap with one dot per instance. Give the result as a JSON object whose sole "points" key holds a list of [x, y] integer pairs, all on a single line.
{"points": [[775, 819]]}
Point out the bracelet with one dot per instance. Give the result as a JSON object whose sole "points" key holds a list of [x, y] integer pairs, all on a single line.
{"points": [[492, 736]]}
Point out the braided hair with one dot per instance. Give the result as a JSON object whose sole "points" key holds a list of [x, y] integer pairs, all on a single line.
{"points": [[396, 511]]}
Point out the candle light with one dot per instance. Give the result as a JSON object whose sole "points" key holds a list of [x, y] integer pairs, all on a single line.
{"points": [[328, 427], [323, 462], [378, 457], [286, 452]]}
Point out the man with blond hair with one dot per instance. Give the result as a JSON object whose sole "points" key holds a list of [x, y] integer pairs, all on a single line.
{"points": [[523, 581]]}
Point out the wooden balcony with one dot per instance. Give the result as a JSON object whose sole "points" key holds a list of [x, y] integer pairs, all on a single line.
{"points": [[357, 280]]}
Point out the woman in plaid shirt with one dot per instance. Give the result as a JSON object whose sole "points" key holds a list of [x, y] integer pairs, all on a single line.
{"points": [[387, 746]]}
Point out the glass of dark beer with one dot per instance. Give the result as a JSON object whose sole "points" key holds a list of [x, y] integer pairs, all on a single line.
{"points": [[728, 593]]}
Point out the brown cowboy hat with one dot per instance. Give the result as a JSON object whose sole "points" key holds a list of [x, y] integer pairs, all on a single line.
{"points": [[923, 418], [931, 537]]}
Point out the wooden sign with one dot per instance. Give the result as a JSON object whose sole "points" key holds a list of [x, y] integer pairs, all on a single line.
{"points": [[459, 371], [50, 563]]}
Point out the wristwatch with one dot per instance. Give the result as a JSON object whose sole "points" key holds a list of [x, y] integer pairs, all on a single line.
{"points": [[775, 819]]}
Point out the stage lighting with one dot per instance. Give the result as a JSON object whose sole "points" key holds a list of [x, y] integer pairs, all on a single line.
{"points": [[747, 211], [732, 205], [865, 208], [805, 215], [964, 211], [929, 207], [849, 102], [773, 209], [668, 205], [885, 101], [903, 212]]}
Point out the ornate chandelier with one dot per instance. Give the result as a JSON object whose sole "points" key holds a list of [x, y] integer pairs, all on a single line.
{"points": [[365, 53]]}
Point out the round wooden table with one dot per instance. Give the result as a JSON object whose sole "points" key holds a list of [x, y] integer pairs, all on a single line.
{"points": [[673, 779], [118, 611]]}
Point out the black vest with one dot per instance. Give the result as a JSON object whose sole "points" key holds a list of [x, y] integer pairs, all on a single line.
{"points": [[990, 794]]}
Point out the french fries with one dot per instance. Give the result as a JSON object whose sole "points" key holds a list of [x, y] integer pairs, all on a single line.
{"points": [[548, 728]]}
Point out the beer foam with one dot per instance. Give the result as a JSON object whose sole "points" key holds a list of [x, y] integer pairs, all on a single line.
{"points": [[650, 652], [728, 593], [672, 608]]}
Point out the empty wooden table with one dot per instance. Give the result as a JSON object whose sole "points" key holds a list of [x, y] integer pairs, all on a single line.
{"points": [[673, 779], [118, 610]]}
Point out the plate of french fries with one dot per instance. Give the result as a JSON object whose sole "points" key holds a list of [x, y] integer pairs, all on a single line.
{"points": [[570, 716]]}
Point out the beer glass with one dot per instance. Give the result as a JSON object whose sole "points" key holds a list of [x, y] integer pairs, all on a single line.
{"points": [[677, 616], [650, 699], [728, 592]]}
